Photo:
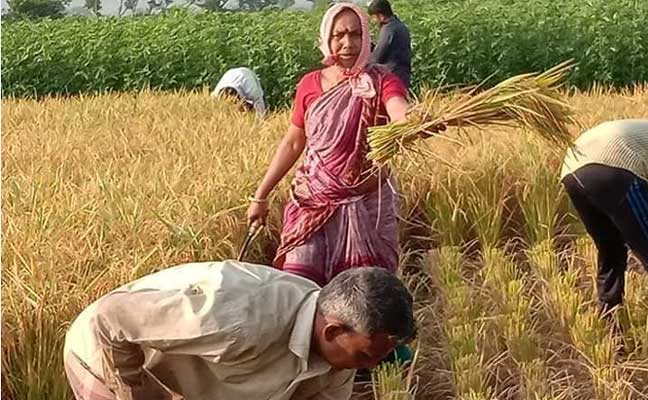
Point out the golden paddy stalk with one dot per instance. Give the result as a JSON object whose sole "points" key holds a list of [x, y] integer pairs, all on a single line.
{"points": [[99, 190], [530, 101]]}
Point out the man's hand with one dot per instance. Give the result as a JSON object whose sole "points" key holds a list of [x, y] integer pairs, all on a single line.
{"points": [[152, 389]]}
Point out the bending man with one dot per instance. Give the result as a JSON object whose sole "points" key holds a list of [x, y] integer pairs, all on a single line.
{"points": [[606, 177], [231, 330]]}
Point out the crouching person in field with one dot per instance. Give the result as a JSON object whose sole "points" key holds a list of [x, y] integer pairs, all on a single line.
{"points": [[235, 331], [606, 177], [243, 86]]}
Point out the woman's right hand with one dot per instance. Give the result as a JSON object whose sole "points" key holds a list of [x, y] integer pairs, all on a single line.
{"points": [[257, 213], [289, 150]]}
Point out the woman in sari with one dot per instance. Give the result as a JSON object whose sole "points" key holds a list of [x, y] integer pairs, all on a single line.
{"points": [[342, 212]]}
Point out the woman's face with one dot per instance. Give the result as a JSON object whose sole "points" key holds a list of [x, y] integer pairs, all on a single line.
{"points": [[346, 38]]}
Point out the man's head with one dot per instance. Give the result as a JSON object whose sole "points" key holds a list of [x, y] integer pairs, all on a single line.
{"points": [[362, 314], [381, 10], [232, 95]]}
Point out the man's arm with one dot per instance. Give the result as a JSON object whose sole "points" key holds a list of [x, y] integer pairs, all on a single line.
{"points": [[381, 51], [260, 107], [163, 320]]}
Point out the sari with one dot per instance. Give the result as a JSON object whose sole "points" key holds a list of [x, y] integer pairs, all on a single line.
{"points": [[328, 226]]}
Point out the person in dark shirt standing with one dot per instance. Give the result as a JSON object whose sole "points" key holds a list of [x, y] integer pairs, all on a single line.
{"points": [[393, 49]]}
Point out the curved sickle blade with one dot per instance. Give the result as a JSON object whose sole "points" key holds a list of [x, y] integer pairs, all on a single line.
{"points": [[252, 233]]}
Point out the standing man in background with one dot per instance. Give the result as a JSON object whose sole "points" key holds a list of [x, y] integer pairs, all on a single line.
{"points": [[394, 48]]}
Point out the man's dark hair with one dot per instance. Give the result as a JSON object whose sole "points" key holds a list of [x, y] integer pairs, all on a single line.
{"points": [[234, 94], [383, 7], [370, 300], [231, 92]]}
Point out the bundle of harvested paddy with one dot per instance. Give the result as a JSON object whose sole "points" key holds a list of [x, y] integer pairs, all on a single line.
{"points": [[529, 100]]}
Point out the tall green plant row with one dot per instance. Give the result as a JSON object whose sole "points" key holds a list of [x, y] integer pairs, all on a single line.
{"points": [[455, 42]]}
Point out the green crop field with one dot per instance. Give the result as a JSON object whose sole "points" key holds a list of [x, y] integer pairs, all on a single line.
{"points": [[454, 42]]}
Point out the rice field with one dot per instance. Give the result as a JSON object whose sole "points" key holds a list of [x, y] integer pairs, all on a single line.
{"points": [[99, 190]]}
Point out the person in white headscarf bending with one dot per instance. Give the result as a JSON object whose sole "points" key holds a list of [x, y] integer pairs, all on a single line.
{"points": [[244, 85]]}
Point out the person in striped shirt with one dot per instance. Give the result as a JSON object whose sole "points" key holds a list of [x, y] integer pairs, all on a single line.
{"points": [[606, 177]]}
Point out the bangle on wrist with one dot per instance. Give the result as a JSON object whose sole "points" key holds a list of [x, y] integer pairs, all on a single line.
{"points": [[254, 199]]}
